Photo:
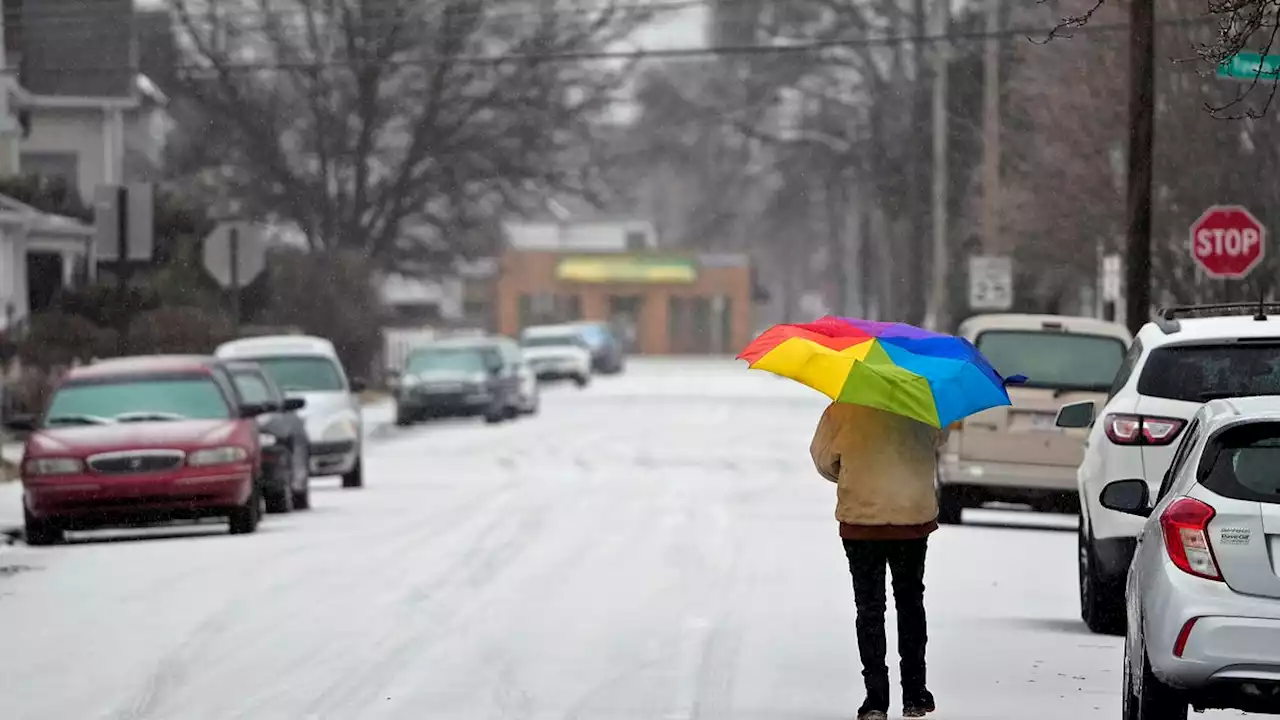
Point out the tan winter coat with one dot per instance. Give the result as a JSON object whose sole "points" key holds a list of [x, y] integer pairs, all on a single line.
{"points": [[883, 465]]}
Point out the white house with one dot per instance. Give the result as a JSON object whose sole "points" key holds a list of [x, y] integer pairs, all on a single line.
{"points": [[26, 234], [92, 141]]}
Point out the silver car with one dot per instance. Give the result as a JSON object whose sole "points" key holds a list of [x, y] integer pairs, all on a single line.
{"points": [[1203, 595]]}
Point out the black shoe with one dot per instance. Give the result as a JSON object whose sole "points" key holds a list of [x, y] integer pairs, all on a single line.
{"points": [[918, 704], [874, 707]]}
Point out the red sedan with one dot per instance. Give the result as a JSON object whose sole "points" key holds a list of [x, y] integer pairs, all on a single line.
{"points": [[141, 439]]}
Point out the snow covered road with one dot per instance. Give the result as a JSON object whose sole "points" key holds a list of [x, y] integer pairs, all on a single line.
{"points": [[654, 546]]}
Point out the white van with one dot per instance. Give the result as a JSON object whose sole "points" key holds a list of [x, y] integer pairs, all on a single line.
{"points": [[1017, 454], [308, 367]]}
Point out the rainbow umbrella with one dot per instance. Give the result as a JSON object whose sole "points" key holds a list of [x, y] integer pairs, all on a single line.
{"points": [[934, 378]]}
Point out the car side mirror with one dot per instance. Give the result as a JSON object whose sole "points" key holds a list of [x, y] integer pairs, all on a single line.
{"points": [[21, 423], [359, 385], [1075, 415], [294, 403], [253, 410], [1131, 497]]}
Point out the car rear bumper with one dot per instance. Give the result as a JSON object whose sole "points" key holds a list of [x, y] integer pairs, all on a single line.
{"points": [[90, 497], [956, 470], [1233, 637], [333, 458]]}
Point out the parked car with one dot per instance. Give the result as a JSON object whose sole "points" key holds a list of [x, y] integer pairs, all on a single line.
{"points": [[466, 376], [1017, 454], [286, 468], [309, 368], [608, 356], [1174, 365], [557, 352], [141, 439], [1203, 611]]}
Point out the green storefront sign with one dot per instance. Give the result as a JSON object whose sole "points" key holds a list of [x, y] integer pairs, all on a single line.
{"points": [[627, 269], [1249, 66]]}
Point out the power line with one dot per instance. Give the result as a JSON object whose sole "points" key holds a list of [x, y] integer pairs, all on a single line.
{"points": [[785, 48]]}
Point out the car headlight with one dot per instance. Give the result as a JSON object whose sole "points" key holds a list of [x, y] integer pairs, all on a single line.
{"points": [[52, 466], [217, 456], [266, 440], [339, 431]]}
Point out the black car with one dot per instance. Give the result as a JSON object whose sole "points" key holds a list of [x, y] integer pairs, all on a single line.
{"points": [[471, 376], [286, 475], [608, 357]]}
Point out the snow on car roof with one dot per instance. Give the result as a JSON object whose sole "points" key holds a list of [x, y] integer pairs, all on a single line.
{"points": [[276, 345], [1197, 329]]}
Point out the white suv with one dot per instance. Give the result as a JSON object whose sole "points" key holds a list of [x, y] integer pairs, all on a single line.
{"points": [[1175, 364]]}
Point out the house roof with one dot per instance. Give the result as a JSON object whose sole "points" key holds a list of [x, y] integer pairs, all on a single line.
{"points": [[16, 212], [56, 60]]}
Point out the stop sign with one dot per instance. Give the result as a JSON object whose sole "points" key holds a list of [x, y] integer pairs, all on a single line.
{"points": [[1228, 241]]}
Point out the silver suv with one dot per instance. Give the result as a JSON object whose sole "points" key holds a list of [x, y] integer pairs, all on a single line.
{"points": [[1204, 586]]}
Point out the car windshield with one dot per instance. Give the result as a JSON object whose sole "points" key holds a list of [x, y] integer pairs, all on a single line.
{"points": [[552, 340], [136, 400], [252, 388], [304, 373], [1199, 373], [469, 360], [1056, 360]]}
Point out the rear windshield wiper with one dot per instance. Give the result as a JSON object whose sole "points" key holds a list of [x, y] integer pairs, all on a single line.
{"points": [[76, 420], [1216, 395]]}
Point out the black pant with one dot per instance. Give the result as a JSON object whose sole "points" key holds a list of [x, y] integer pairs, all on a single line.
{"points": [[905, 559]]}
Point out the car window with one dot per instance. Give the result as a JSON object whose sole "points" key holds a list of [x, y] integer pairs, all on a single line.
{"points": [[190, 397], [1189, 440], [1198, 373], [1126, 368], [446, 359], [1244, 463], [304, 373], [1057, 360], [253, 389]]}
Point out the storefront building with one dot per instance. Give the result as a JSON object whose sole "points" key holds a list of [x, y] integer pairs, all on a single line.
{"points": [[658, 303]]}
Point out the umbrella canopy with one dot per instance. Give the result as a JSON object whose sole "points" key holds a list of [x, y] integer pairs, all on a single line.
{"points": [[934, 378]]}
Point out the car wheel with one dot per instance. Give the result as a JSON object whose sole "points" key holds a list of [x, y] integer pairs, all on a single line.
{"points": [[950, 505], [1101, 598], [1145, 696], [403, 418], [244, 519], [355, 478], [40, 531], [534, 406], [582, 380], [301, 485], [279, 500]]}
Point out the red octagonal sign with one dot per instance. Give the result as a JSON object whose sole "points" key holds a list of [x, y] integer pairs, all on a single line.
{"points": [[1228, 241]]}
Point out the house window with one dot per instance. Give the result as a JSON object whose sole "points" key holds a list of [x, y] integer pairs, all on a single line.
{"points": [[635, 240], [64, 166]]}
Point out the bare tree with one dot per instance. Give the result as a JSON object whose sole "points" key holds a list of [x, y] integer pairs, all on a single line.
{"points": [[392, 126]]}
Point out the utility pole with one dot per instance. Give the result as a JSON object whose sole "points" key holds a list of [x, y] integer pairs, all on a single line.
{"points": [[1141, 147], [939, 296], [916, 250], [991, 240]]}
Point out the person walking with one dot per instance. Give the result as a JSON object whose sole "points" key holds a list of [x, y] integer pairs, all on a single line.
{"points": [[883, 465]]}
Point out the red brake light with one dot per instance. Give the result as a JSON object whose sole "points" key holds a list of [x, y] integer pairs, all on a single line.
{"points": [[1125, 429], [1185, 524]]}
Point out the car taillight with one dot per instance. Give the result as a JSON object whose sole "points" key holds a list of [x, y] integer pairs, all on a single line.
{"points": [[1125, 429], [1185, 524]]}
